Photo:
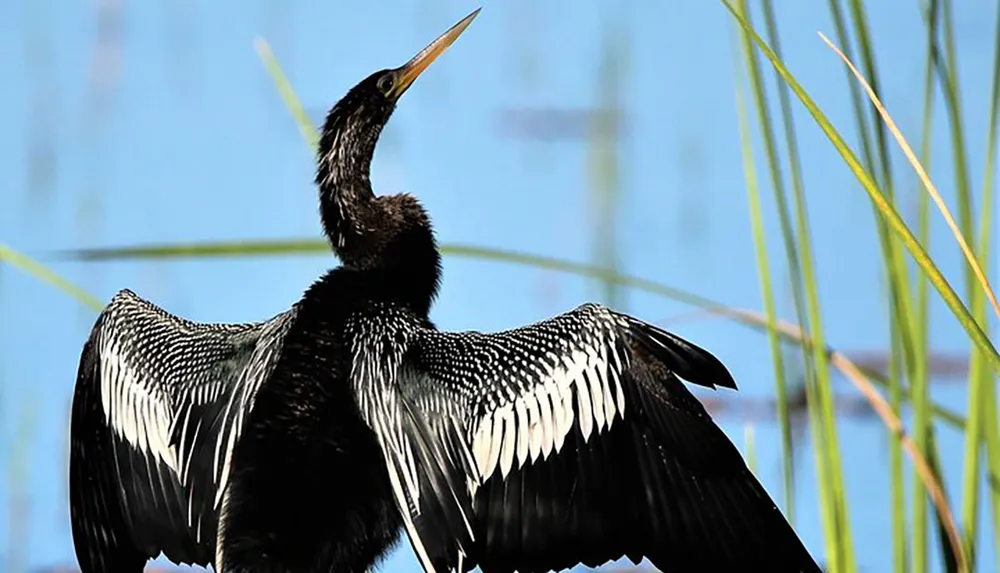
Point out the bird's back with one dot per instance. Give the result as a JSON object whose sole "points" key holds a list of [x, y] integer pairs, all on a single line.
{"points": [[309, 490]]}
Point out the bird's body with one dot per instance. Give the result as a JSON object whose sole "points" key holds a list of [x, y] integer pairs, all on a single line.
{"points": [[307, 443]]}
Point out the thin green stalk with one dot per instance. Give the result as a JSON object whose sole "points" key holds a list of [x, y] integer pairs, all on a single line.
{"points": [[973, 439], [818, 431], [857, 103], [900, 333], [992, 427], [750, 447], [895, 266], [901, 324], [950, 557], [774, 168], [953, 104], [794, 165], [985, 379], [923, 198], [43, 273], [920, 382], [897, 277], [876, 166], [845, 539], [287, 93], [764, 276], [843, 554], [897, 492], [868, 65]]}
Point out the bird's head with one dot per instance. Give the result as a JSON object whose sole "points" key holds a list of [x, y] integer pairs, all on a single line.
{"points": [[354, 123]]}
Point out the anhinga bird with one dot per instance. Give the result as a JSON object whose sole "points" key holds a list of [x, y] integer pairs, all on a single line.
{"points": [[307, 443]]}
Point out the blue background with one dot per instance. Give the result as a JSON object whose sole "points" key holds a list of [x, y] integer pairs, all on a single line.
{"points": [[155, 122]]}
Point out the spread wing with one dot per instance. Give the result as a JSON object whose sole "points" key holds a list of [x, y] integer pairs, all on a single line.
{"points": [[571, 441], [158, 406]]}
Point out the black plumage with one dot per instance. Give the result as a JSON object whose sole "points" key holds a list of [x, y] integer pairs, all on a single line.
{"points": [[306, 443]]}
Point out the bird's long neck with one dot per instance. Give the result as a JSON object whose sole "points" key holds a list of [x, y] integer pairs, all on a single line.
{"points": [[389, 240], [346, 196]]}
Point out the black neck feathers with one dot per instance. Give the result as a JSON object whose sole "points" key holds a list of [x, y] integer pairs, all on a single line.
{"points": [[386, 243], [346, 146], [389, 236]]}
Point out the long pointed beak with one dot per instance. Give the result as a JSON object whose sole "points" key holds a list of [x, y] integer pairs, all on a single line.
{"points": [[410, 70]]}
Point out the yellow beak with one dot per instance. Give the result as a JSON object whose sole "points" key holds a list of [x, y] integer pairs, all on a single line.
{"points": [[410, 70]]}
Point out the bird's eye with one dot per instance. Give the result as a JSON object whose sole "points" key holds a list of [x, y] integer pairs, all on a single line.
{"points": [[385, 84]]}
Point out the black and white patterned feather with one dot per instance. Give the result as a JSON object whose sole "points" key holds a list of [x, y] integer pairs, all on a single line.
{"points": [[159, 405], [568, 441]]}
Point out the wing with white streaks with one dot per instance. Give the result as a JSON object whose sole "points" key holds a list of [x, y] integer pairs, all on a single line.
{"points": [[158, 406], [571, 441]]}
